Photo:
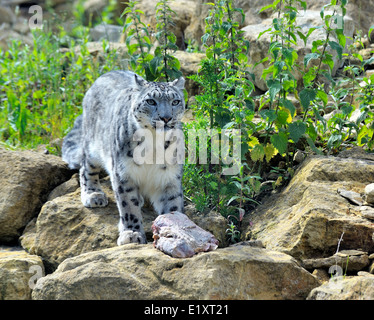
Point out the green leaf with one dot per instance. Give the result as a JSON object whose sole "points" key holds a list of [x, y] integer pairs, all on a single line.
{"points": [[258, 153], [306, 97], [274, 88], [270, 6], [371, 30], [289, 105], [279, 141], [323, 96], [337, 47], [270, 151], [341, 37], [297, 129], [313, 146], [334, 140], [310, 56], [155, 64], [282, 117]]}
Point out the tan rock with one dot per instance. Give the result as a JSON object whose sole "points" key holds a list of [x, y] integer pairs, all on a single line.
{"points": [[307, 219], [347, 260], [184, 10], [251, 8], [345, 288], [65, 228], [7, 15], [142, 272], [369, 193], [26, 179], [357, 9], [259, 48], [18, 274]]}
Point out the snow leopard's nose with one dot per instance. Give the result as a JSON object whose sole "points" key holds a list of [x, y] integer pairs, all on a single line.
{"points": [[166, 120]]}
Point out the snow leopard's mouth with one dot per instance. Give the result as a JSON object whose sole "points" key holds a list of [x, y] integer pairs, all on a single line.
{"points": [[161, 125]]}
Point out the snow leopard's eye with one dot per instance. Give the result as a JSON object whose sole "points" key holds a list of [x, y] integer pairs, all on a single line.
{"points": [[151, 102], [175, 102]]}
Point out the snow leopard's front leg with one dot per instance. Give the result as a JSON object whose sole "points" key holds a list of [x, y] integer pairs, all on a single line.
{"points": [[170, 199], [129, 202], [92, 195]]}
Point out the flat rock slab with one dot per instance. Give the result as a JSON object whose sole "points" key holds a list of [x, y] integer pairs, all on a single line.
{"points": [[142, 272]]}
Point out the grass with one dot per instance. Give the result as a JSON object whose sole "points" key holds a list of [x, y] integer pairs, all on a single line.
{"points": [[41, 88]]}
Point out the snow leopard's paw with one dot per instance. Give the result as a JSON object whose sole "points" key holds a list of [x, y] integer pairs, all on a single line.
{"points": [[94, 200], [129, 236]]}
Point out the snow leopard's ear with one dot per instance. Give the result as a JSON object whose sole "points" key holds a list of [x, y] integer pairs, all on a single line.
{"points": [[140, 81], [179, 83]]}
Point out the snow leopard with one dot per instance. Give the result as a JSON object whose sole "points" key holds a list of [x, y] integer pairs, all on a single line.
{"points": [[115, 108]]}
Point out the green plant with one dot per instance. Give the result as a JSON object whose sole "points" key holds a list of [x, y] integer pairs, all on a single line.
{"points": [[41, 88], [138, 41], [164, 65], [232, 233], [160, 65]]}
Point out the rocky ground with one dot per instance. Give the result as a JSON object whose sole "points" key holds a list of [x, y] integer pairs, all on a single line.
{"points": [[322, 223]]}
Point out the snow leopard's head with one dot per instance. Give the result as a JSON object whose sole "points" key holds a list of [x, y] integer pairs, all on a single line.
{"points": [[159, 104]]}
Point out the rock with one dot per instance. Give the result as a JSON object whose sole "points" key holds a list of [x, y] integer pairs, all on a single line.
{"points": [[307, 219], [211, 221], [321, 275], [7, 16], [93, 9], [7, 35], [352, 196], [369, 193], [260, 47], [26, 179], [345, 288], [65, 228], [142, 272], [251, 8], [65, 188], [190, 64], [348, 260], [18, 270], [179, 237], [184, 10], [106, 31], [357, 9], [367, 212], [371, 268]]}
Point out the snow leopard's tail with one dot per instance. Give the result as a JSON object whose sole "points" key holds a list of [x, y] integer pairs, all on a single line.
{"points": [[72, 152]]}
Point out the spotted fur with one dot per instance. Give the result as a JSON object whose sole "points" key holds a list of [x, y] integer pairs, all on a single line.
{"points": [[117, 105]]}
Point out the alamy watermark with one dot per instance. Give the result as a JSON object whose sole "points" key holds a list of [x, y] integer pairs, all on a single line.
{"points": [[36, 20], [168, 147], [37, 273]]}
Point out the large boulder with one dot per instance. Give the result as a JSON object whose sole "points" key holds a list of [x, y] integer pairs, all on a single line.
{"points": [[142, 272], [357, 9], [26, 179], [184, 12], [251, 8], [18, 273], [259, 48], [309, 217]]}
